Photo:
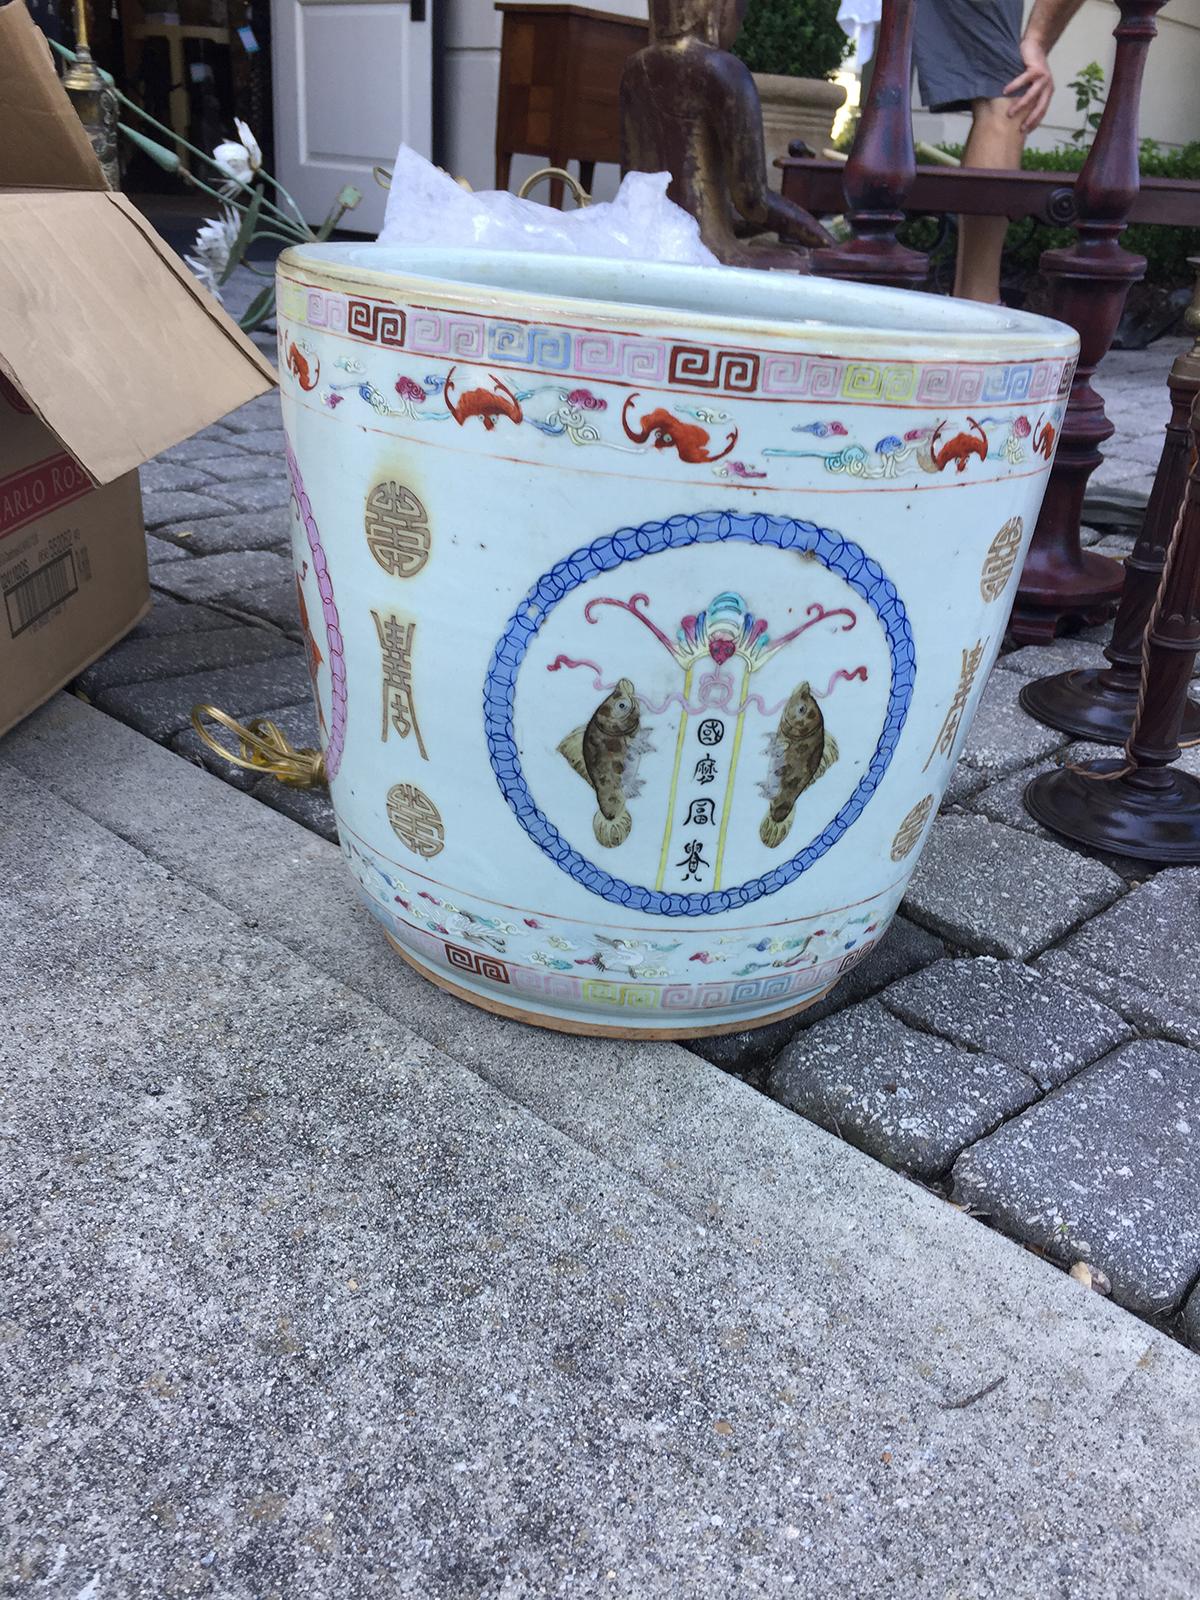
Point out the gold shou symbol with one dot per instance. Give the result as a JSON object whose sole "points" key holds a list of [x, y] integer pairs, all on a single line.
{"points": [[909, 830], [944, 743], [396, 640], [415, 820], [397, 529], [1001, 558]]}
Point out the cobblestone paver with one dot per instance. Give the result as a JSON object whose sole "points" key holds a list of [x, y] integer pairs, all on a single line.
{"points": [[163, 708], [1002, 737], [1106, 1170], [167, 656], [228, 578], [1003, 801], [231, 532], [909, 1098], [1001, 892], [1008, 1010], [1017, 1072], [1142, 956]]}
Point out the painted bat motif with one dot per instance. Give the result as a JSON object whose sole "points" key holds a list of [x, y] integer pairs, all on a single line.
{"points": [[298, 364], [486, 403], [959, 449], [687, 439], [1043, 439]]}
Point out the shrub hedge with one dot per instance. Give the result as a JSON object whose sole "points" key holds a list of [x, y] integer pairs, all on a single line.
{"points": [[798, 38]]}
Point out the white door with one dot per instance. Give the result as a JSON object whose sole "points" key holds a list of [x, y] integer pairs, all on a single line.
{"points": [[351, 79]]}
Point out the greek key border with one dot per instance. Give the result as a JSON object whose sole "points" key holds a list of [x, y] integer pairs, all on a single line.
{"points": [[644, 360]]}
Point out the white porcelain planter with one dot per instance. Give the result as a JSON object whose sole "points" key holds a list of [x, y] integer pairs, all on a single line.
{"points": [[648, 608], [796, 108]]}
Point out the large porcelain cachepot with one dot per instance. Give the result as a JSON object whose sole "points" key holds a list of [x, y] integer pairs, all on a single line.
{"points": [[647, 609]]}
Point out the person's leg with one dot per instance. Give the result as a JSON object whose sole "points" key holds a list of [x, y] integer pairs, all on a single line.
{"points": [[995, 141]]}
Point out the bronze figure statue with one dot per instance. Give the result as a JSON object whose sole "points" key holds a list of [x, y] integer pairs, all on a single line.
{"points": [[690, 108]]}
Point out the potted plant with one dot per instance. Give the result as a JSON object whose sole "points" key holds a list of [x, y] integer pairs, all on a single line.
{"points": [[793, 47]]}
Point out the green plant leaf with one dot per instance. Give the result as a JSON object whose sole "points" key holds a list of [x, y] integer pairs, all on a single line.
{"points": [[259, 309], [244, 235], [166, 159]]}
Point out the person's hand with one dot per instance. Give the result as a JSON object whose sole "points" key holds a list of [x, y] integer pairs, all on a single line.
{"points": [[1033, 88]]}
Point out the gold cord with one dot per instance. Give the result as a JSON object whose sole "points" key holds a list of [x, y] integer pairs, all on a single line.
{"points": [[264, 748]]}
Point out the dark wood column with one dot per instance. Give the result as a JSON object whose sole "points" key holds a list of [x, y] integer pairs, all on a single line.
{"points": [[1099, 703], [1090, 280], [1143, 805], [881, 167]]}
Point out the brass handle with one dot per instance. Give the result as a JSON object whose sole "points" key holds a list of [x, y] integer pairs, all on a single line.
{"points": [[263, 748], [580, 194]]}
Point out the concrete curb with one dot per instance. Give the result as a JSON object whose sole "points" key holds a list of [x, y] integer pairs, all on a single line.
{"points": [[1079, 1473]]}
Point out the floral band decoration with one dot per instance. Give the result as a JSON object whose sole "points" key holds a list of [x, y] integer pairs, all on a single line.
{"points": [[697, 435]]}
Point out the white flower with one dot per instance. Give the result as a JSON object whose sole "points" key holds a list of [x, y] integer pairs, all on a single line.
{"points": [[240, 160], [214, 241]]}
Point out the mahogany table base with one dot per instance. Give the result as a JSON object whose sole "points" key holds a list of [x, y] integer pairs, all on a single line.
{"points": [[1082, 703], [865, 260], [881, 168], [1054, 589], [1152, 814]]}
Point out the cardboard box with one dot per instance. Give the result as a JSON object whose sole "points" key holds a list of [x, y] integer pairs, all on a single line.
{"points": [[72, 562], [110, 352]]}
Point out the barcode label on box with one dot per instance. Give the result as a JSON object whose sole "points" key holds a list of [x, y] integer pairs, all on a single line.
{"points": [[39, 592]]}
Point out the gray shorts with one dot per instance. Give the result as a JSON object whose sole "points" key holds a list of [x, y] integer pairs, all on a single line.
{"points": [[966, 50]]}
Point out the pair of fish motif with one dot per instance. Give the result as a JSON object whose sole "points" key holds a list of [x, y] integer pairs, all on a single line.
{"points": [[607, 749]]}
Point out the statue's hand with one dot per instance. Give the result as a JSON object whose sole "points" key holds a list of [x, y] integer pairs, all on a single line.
{"points": [[794, 225]]}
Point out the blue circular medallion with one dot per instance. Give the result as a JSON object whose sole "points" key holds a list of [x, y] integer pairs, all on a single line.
{"points": [[838, 555]]}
